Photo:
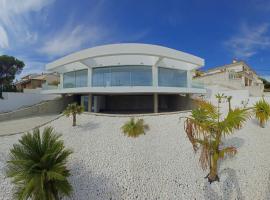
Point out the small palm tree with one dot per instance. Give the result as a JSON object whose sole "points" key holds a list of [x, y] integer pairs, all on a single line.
{"points": [[229, 98], [133, 128], [37, 166], [262, 111], [205, 129], [73, 109]]}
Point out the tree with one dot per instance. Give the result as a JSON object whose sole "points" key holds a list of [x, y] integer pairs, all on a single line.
{"points": [[133, 128], [37, 166], [73, 109], [262, 111], [9, 68], [205, 129]]}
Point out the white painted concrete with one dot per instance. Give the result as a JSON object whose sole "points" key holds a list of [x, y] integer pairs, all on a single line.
{"points": [[126, 90], [108, 55], [16, 100]]}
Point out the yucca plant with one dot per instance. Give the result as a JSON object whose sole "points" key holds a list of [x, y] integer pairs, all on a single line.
{"points": [[206, 127], [73, 109], [262, 111], [133, 128], [37, 166]]}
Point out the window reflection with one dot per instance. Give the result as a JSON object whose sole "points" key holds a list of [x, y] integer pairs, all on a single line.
{"points": [[75, 79], [122, 76], [172, 77]]}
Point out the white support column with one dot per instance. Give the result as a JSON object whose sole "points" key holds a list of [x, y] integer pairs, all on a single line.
{"points": [[95, 104], [89, 77], [189, 79], [155, 75], [155, 72], [89, 102], [82, 101], [61, 81], [155, 103]]}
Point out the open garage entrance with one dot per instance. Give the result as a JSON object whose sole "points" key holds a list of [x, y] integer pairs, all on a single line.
{"points": [[139, 103]]}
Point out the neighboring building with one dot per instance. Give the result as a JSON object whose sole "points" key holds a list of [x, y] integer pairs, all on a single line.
{"points": [[33, 81], [235, 76], [128, 78]]}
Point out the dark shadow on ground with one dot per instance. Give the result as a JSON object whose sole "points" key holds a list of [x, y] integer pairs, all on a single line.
{"points": [[87, 185], [228, 187], [88, 126], [234, 141]]}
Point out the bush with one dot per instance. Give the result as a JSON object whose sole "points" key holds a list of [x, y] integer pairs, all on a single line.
{"points": [[37, 166], [133, 128]]}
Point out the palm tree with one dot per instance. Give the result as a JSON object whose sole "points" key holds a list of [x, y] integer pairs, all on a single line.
{"points": [[229, 98], [262, 111], [133, 128], [73, 109], [37, 166], [205, 129]]}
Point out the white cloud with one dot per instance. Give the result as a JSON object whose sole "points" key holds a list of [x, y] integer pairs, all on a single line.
{"points": [[14, 20], [3, 38], [249, 40], [70, 39]]}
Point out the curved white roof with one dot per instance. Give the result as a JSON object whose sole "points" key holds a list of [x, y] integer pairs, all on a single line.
{"points": [[130, 53]]}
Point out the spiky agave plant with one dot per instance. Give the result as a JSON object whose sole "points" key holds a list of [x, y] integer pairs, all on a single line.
{"points": [[73, 109], [206, 127], [262, 111], [133, 128], [37, 166]]}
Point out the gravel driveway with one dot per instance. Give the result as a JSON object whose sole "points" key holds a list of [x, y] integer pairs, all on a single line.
{"points": [[159, 165]]}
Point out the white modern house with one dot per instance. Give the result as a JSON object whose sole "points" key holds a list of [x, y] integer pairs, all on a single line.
{"points": [[128, 78]]}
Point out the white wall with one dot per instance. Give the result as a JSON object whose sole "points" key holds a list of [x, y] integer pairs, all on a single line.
{"points": [[214, 90], [16, 100]]}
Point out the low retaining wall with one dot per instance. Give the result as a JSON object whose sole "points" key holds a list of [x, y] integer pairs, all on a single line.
{"points": [[47, 107], [15, 100]]}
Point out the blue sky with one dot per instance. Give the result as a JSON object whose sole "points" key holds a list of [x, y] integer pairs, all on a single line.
{"points": [[39, 31]]}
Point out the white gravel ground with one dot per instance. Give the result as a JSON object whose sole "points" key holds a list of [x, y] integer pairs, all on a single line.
{"points": [[159, 165]]}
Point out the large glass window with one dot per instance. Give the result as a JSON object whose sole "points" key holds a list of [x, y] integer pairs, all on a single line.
{"points": [[168, 77], [69, 80], [122, 76], [75, 79]]}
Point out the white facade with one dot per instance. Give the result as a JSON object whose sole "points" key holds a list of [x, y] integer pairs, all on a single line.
{"points": [[235, 76], [131, 56]]}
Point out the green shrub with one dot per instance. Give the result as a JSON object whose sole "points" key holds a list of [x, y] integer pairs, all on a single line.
{"points": [[262, 111], [37, 166], [133, 128]]}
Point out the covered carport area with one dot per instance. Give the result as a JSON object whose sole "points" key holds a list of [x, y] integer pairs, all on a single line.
{"points": [[136, 103]]}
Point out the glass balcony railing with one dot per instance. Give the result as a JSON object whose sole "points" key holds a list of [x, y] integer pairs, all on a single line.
{"points": [[197, 84]]}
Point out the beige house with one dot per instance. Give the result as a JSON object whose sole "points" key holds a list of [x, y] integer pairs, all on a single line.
{"points": [[33, 81], [235, 76]]}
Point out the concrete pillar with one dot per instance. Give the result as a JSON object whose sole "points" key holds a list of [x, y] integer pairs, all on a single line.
{"points": [[155, 75], [155, 71], [89, 102], [155, 103], [82, 100], [61, 81], [96, 104], [189, 79], [89, 77]]}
